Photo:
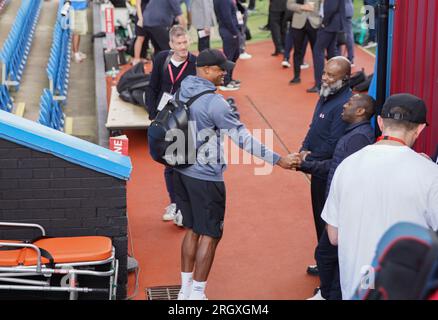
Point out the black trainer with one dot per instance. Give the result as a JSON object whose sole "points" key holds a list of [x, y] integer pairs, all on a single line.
{"points": [[295, 80], [312, 270]]}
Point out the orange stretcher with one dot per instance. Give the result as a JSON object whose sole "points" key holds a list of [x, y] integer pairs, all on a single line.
{"points": [[69, 256]]}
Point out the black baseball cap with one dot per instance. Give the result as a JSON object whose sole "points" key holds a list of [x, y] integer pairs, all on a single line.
{"points": [[412, 108], [214, 57]]}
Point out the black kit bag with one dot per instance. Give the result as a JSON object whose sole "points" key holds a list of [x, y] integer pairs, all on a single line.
{"points": [[133, 84], [357, 78], [365, 85], [174, 116]]}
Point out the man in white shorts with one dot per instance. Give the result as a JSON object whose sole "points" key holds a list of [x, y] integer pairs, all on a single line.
{"points": [[79, 26]]}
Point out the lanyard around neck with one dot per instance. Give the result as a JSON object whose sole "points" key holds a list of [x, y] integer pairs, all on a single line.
{"points": [[386, 138], [172, 78]]}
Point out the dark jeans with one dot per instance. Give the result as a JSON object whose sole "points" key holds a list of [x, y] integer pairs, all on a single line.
{"points": [[372, 33], [300, 44], [328, 267], [203, 43], [231, 50], [168, 177], [317, 189], [350, 39], [325, 41], [277, 24], [159, 37]]}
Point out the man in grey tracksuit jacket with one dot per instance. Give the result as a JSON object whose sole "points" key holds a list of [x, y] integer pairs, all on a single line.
{"points": [[200, 189]]}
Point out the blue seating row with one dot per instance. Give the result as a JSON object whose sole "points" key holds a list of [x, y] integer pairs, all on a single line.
{"points": [[51, 114], [58, 68], [16, 48], [5, 99]]}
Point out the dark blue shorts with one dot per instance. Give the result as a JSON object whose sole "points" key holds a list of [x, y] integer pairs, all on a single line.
{"points": [[202, 204]]}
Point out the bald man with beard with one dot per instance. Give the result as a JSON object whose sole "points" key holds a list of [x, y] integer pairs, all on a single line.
{"points": [[326, 128]]}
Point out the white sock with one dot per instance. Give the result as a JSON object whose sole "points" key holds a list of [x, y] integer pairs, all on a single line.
{"points": [[198, 290], [186, 283]]}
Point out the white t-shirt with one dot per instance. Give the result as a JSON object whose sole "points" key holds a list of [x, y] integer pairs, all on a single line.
{"points": [[371, 191]]}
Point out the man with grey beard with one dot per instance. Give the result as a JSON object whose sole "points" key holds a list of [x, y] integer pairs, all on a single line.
{"points": [[326, 129]]}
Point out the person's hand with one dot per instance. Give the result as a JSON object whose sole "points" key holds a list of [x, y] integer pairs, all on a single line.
{"points": [[140, 22], [207, 31], [304, 154], [307, 7], [296, 161], [286, 162]]}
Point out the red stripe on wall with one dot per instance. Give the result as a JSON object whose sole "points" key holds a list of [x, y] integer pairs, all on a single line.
{"points": [[415, 60]]}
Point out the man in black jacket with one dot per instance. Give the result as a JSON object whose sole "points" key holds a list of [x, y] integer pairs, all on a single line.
{"points": [[170, 68], [332, 23], [359, 133], [277, 24], [226, 15], [326, 129]]}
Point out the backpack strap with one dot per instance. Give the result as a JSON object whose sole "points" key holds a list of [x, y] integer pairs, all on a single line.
{"points": [[167, 61], [194, 98]]}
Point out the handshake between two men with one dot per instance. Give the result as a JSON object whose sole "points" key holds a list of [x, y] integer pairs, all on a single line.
{"points": [[293, 161]]}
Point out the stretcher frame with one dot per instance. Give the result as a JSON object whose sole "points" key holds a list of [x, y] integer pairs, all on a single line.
{"points": [[15, 274]]}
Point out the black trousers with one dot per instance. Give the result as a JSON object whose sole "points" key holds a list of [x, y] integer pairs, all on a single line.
{"points": [[277, 24], [203, 43], [159, 37], [252, 4], [231, 48], [328, 267], [299, 36], [324, 41], [317, 189]]}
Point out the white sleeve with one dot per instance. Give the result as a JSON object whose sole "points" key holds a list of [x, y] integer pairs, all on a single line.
{"points": [[432, 206], [330, 213]]}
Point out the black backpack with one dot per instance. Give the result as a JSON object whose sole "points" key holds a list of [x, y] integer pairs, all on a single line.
{"points": [[174, 116], [405, 265], [357, 78], [365, 85], [133, 85]]}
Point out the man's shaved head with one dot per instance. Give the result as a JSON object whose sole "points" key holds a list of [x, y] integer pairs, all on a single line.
{"points": [[343, 64]]}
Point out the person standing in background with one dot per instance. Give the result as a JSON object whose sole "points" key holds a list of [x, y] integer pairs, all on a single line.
{"points": [[158, 18], [140, 31], [333, 23], [349, 13], [226, 15], [305, 23], [203, 19], [79, 26], [277, 24]]}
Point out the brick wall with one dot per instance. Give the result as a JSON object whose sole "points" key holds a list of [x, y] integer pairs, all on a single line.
{"points": [[65, 198]]}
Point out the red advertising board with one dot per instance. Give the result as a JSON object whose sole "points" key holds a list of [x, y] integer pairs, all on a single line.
{"points": [[119, 144]]}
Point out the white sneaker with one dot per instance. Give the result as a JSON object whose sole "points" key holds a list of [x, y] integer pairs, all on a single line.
{"points": [[317, 296], [182, 296], [197, 297], [82, 55], [170, 212], [77, 57], [370, 45], [229, 87], [285, 64], [178, 220], [245, 56], [305, 65]]}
